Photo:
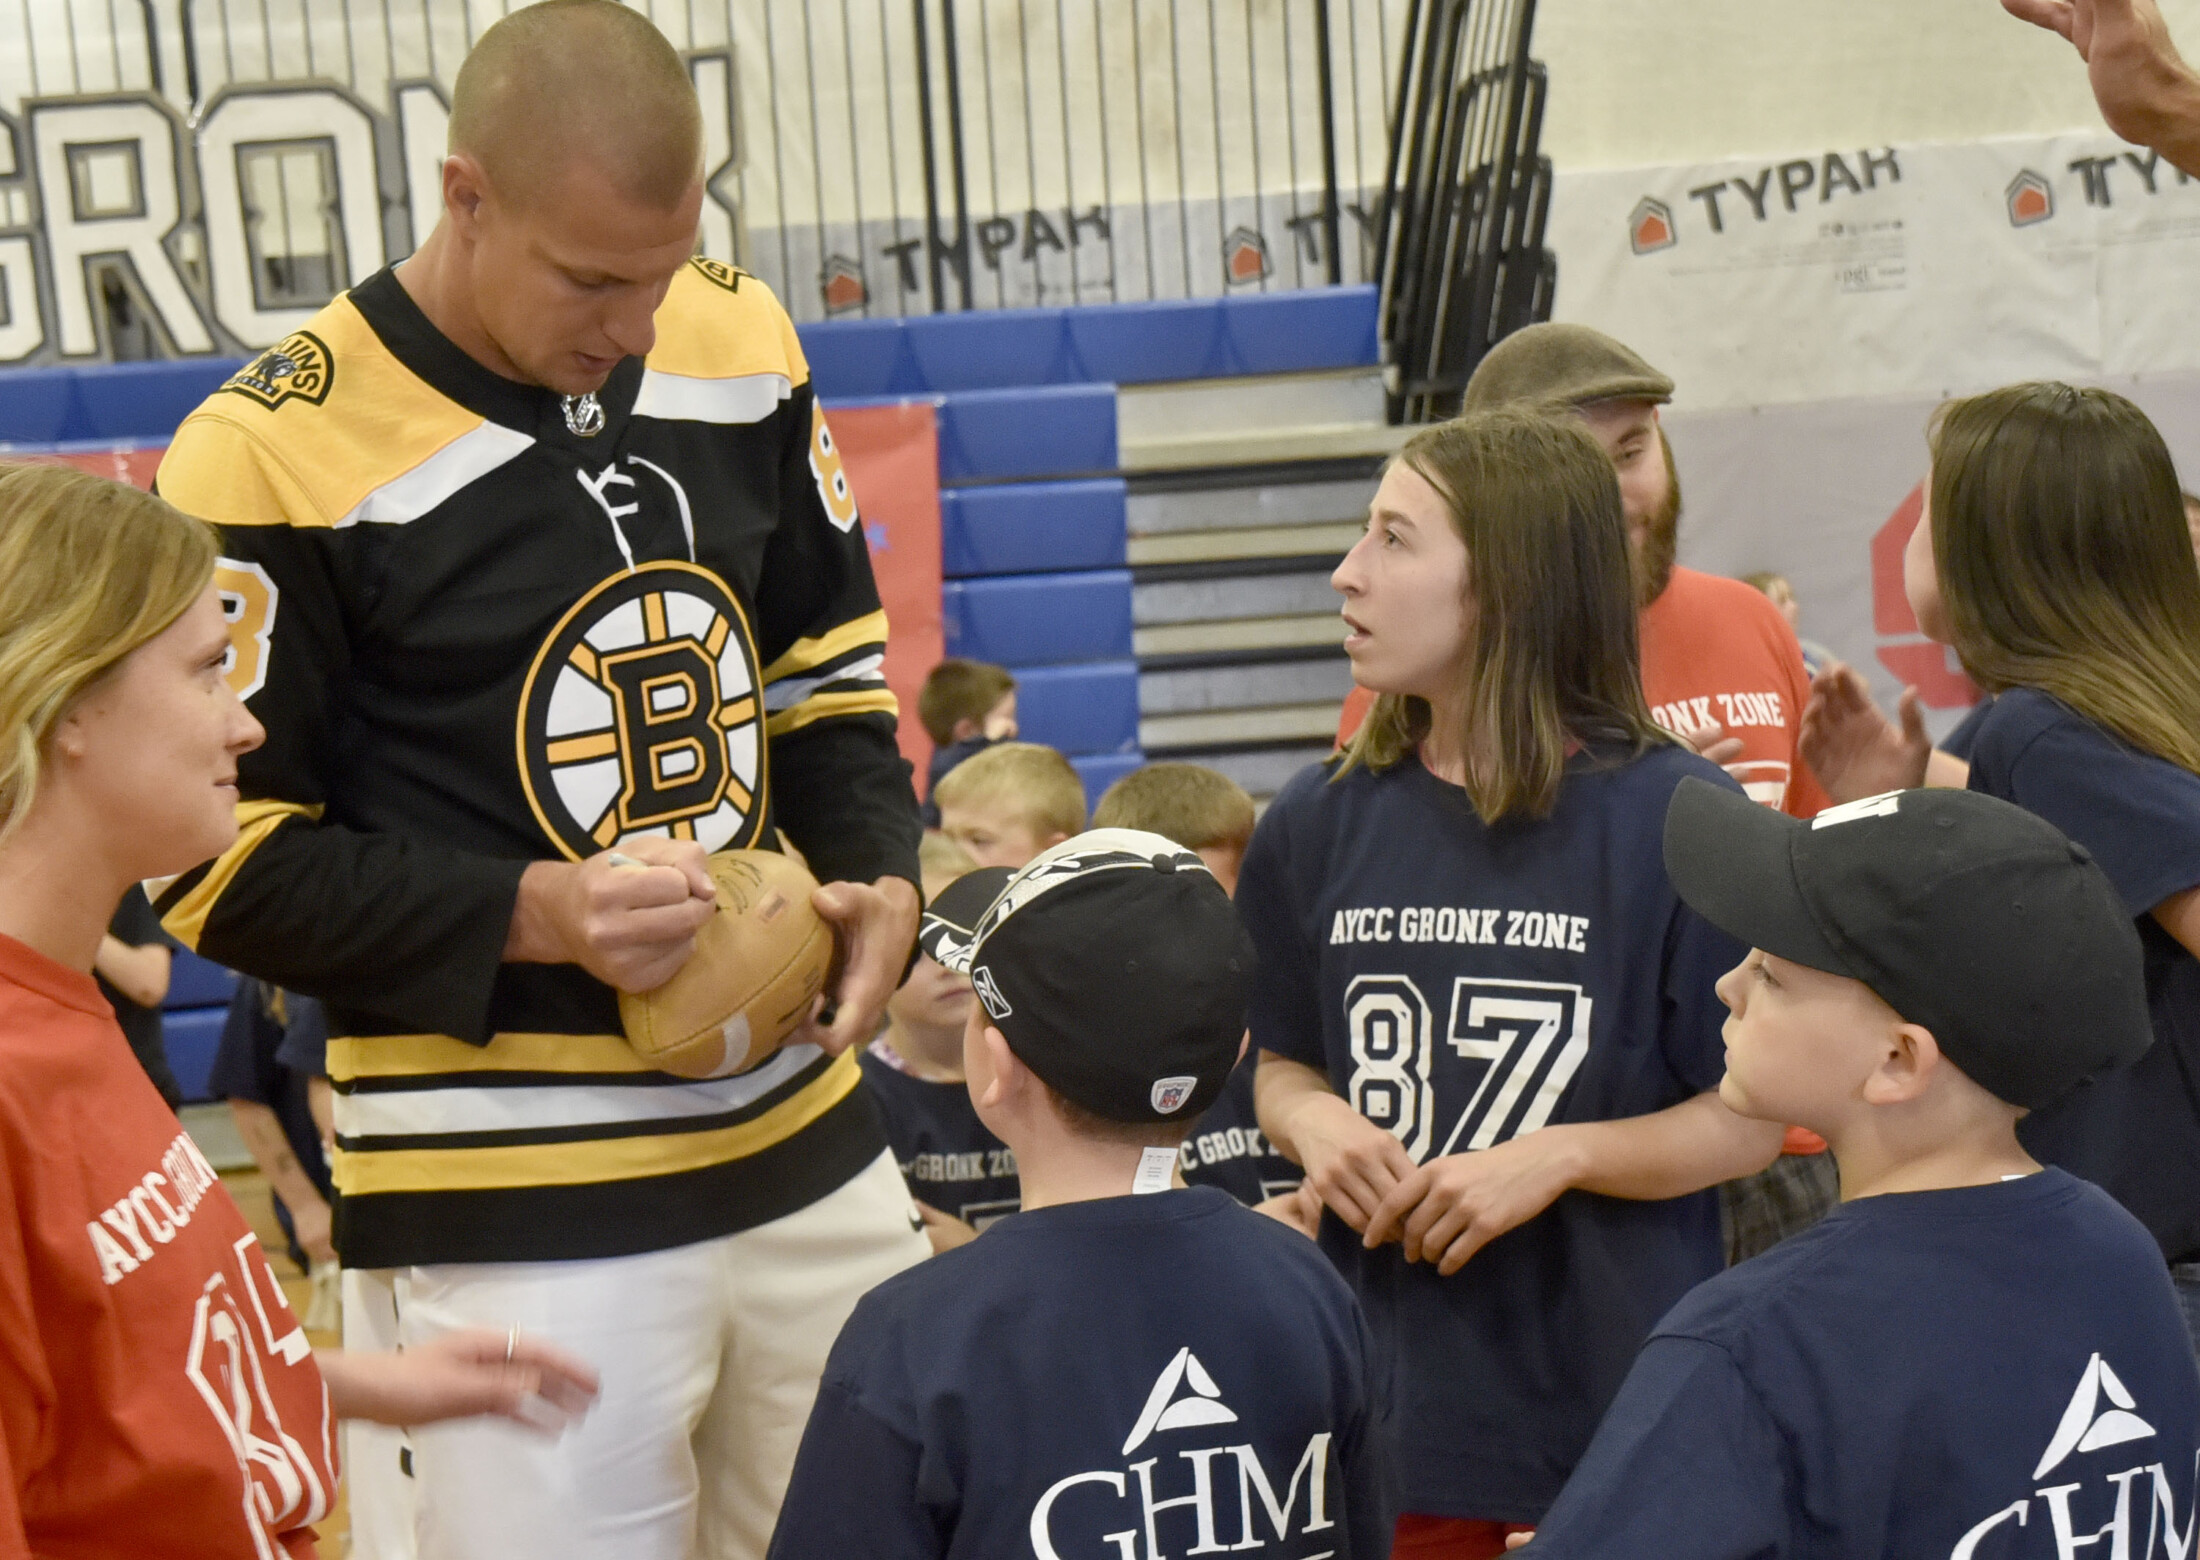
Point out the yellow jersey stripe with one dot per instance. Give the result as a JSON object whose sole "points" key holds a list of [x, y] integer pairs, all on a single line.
{"points": [[405, 1056], [804, 654], [186, 918], [367, 1173]]}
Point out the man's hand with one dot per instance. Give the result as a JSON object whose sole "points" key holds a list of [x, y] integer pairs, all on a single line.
{"points": [[876, 924], [1851, 746], [1351, 1163], [628, 917], [462, 1375], [1450, 1208], [2146, 92]]}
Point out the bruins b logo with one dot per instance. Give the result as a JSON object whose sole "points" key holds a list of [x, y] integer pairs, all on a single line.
{"points": [[297, 368], [641, 716]]}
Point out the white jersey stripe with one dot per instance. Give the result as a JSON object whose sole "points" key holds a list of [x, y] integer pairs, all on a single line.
{"points": [[432, 1111]]}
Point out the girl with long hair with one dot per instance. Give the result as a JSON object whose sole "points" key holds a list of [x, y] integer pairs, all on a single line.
{"points": [[157, 1396], [2054, 556], [1487, 1025]]}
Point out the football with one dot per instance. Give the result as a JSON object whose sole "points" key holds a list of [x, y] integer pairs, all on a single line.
{"points": [[758, 965]]}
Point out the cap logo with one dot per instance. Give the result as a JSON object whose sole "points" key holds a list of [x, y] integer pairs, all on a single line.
{"points": [[1884, 805], [989, 992], [1169, 1094]]}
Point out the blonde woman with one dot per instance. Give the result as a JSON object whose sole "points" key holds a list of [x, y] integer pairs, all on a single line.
{"points": [[157, 1396], [1487, 1024]]}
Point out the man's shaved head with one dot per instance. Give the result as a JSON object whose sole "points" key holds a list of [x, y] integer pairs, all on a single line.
{"points": [[572, 80]]}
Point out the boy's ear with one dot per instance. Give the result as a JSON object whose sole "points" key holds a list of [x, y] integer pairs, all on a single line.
{"points": [[964, 729], [1053, 838], [1011, 1078], [1906, 1067]]}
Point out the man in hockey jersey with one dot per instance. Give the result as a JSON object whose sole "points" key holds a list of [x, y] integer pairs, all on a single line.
{"points": [[541, 564]]}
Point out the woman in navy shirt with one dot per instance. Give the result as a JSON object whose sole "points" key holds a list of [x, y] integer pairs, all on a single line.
{"points": [[2054, 556], [1486, 1023]]}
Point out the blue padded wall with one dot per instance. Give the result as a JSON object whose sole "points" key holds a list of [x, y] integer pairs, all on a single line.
{"points": [[196, 982], [1040, 619], [1033, 527], [1035, 431], [1109, 343], [191, 1038], [1088, 708]]}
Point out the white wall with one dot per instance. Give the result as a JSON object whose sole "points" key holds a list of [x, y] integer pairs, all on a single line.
{"points": [[1636, 82]]}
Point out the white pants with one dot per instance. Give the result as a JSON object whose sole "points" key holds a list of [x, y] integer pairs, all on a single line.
{"points": [[710, 1356], [376, 1485]]}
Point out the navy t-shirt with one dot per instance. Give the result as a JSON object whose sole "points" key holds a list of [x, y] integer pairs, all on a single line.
{"points": [[247, 1066], [2134, 1131], [1170, 1373], [1988, 1372], [1227, 1149], [1462, 985], [947, 1157]]}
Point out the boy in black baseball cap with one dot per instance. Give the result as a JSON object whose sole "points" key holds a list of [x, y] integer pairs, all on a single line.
{"points": [[1971, 1357], [1128, 1364]]}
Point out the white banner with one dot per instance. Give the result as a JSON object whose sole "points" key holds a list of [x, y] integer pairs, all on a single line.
{"points": [[1813, 310]]}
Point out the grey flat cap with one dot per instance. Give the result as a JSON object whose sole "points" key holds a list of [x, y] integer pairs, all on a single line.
{"points": [[1565, 365]]}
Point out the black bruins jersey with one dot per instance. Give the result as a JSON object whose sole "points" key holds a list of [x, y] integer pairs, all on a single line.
{"points": [[485, 625]]}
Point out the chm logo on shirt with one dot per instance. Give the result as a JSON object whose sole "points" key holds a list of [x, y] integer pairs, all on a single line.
{"points": [[2135, 1513], [1203, 1499]]}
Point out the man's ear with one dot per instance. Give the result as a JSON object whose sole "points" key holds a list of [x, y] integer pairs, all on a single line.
{"points": [[1906, 1068], [465, 188]]}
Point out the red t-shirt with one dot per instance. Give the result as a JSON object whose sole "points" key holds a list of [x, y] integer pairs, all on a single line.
{"points": [[1714, 649], [157, 1396]]}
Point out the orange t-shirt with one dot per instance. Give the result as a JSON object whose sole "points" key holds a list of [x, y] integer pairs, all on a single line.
{"points": [[157, 1396]]}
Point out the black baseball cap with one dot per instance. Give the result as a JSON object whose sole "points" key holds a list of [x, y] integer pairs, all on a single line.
{"points": [[1113, 964], [1968, 915]]}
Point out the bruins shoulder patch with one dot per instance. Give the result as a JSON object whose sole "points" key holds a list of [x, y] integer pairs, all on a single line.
{"points": [[718, 272], [297, 368], [642, 715]]}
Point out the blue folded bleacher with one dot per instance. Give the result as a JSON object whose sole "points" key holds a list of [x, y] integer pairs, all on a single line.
{"points": [[1082, 710], [1040, 619], [1033, 527]]}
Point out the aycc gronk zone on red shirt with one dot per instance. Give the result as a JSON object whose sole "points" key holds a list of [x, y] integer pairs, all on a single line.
{"points": [[157, 1395]]}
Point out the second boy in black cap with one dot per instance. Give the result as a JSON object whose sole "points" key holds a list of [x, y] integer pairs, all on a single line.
{"points": [[1107, 1372], [1972, 1358]]}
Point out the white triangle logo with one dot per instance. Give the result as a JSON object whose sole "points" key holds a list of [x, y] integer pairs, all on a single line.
{"points": [[1204, 1406], [2086, 1426]]}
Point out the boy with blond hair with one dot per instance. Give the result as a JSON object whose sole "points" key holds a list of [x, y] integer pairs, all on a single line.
{"points": [[961, 1176], [1127, 1357], [1971, 1357], [1010, 802], [1202, 809]]}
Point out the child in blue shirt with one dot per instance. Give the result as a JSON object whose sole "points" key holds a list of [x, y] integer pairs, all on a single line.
{"points": [[1972, 1358], [1128, 1365]]}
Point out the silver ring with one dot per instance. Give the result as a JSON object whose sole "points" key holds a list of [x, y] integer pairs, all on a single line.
{"points": [[511, 1342]]}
